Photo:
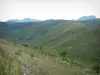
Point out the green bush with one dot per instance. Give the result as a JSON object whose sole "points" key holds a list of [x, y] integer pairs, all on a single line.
{"points": [[63, 54], [31, 54], [25, 45], [96, 67], [35, 47]]}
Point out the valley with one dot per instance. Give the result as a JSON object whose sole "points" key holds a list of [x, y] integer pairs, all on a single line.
{"points": [[50, 47]]}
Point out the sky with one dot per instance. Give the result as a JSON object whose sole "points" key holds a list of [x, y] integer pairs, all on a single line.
{"points": [[48, 9]]}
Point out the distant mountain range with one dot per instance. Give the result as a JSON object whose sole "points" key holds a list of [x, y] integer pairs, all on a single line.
{"points": [[24, 20], [87, 17], [36, 20]]}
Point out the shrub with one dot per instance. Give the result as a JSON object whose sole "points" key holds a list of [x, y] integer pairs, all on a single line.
{"points": [[31, 54], [63, 54], [14, 44], [35, 47], [96, 67], [25, 45]]}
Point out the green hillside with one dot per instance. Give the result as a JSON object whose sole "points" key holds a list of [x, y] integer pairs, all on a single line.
{"points": [[69, 36], [30, 31], [74, 44], [3, 30]]}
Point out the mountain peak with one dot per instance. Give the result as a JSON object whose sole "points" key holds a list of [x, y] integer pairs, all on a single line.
{"points": [[87, 17], [24, 20]]}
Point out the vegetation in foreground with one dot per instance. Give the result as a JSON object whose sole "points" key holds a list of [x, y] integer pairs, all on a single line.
{"points": [[20, 60]]}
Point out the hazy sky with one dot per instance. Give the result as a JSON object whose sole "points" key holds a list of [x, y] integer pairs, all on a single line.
{"points": [[48, 9]]}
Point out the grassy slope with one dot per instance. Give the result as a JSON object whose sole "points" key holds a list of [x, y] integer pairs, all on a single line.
{"points": [[31, 31], [74, 37], [71, 37], [19, 60]]}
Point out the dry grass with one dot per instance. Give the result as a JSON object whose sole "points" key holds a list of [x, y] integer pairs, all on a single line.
{"points": [[19, 60]]}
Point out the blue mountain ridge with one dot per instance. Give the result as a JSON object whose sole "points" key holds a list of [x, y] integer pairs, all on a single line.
{"points": [[24, 20], [87, 17]]}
